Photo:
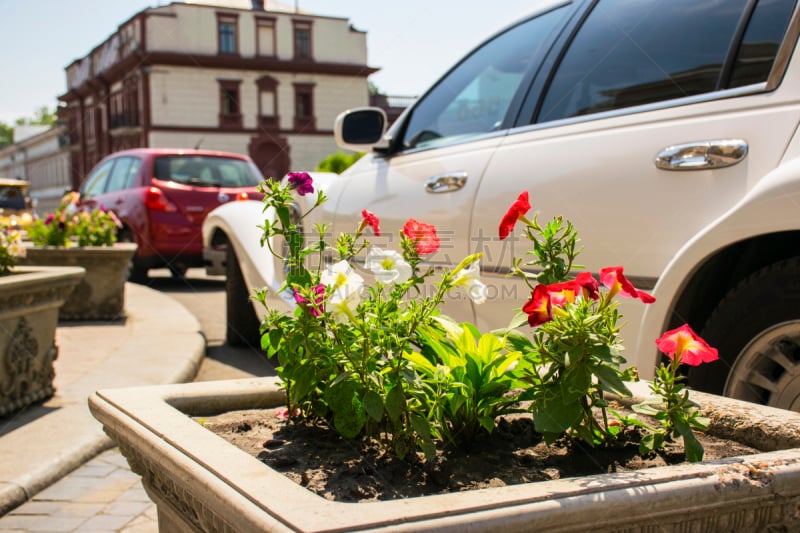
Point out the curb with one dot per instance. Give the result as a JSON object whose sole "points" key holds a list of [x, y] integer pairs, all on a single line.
{"points": [[162, 343]]}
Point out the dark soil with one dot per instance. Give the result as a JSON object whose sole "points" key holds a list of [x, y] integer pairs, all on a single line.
{"points": [[317, 458]]}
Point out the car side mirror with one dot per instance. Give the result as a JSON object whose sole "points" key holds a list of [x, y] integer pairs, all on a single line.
{"points": [[361, 129]]}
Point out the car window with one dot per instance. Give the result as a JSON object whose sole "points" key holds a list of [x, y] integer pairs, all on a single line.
{"points": [[96, 182], [206, 171], [632, 52], [761, 41], [475, 96], [123, 173], [12, 197]]}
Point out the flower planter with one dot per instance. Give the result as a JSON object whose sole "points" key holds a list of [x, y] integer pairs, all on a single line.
{"points": [[29, 302], [101, 293], [201, 483]]}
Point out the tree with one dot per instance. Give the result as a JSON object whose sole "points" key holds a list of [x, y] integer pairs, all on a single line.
{"points": [[6, 134], [41, 117]]}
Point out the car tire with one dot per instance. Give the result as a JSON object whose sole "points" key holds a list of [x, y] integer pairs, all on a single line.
{"points": [[756, 329], [242, 324]]}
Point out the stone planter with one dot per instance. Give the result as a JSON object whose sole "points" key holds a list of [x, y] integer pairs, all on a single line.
{"points": [[201, 483], [29, 303], [101, 293]]}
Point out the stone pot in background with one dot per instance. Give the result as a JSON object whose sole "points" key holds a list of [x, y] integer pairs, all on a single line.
{"points": [[30, 298], [200, 482], [101, 293]]}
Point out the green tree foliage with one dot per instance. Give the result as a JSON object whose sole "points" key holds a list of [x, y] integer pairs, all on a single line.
{"points": [[6, 134]]}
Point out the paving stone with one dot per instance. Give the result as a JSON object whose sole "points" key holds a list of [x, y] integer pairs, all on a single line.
{"points": [[106, 522]]}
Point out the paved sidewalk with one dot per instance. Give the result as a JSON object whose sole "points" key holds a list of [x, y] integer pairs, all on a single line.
{"points": [[159, 342]]}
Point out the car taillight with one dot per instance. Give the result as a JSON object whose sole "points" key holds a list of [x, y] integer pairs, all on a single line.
{"points": [[242, 196], [154, 199]]}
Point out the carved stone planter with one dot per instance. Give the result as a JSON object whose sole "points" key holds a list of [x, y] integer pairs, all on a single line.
{"points": [[29, 303], [201, 483], [101, 293]]}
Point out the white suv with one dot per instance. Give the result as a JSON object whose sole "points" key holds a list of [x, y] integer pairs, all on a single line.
{"points": [[665, 131]]}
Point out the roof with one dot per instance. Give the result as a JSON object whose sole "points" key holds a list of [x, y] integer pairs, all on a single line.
{"points": [[13, 182]]}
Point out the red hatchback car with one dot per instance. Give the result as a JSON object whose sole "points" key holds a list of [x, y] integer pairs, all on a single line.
{"points": [[162, 195]]}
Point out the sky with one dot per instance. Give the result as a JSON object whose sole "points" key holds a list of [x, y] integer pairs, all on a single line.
{"points": [[413, 42]]}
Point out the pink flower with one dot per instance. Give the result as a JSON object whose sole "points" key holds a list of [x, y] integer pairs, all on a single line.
{"points": [[517, 210], [615, 280], [370, 219], [423, 235], [316, 308], [301, 182], [687, 346]]}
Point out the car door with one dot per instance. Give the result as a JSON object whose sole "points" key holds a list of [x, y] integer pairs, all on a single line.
{"points": [[444, 145], [638, 79]]}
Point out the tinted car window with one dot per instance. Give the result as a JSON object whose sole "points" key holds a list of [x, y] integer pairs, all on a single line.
{"points": [[475, 96], [123, 173], [632, 52], [96, 182], [12, 197], [206, 171], [761, 40]]}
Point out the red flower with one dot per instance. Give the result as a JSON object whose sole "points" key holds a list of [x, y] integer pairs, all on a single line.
{"points": [[562, 293], [539, 308], [687, 346], [302, 182], [518, 209], [615, 280], [423, 235], [369, 219], [586, 282], [316, 308]]}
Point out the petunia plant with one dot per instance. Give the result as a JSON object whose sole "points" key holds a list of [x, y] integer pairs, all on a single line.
{"points": [[347, 352], [70, 225], [573, 359], [670, 404]]}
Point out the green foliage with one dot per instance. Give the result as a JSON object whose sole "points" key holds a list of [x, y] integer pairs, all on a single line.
{"points": [[338, 162], [71, 226], [467, 379], [677, 414], [345, 353], [6, 135]]}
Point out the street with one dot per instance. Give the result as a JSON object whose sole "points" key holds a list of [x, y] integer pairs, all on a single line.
{"points": [[204, 297]]}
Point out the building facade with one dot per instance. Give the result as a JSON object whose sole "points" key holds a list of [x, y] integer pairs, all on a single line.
{"points": [[264, 81], [39, 155]]}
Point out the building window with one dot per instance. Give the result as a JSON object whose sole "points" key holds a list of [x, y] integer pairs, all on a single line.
{"points": [[304, 107], [265, 37], [227, 26], [230, 111], [302, 39], [267, 103]]}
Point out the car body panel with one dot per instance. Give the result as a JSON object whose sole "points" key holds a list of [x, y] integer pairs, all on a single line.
{"points": [[599, 171]]}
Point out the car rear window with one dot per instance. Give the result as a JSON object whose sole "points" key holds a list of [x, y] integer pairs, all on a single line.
{"points": [[206, 171]]}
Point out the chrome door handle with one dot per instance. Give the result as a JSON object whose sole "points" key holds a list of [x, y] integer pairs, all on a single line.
{"points": [[446, 182], [702, 155]]}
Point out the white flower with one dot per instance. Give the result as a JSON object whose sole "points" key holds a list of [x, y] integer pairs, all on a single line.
{"points": [[345, 287], [388, 265], [469, 278]]}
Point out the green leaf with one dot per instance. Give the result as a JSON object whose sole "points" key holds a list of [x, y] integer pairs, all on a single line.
{"points": [[395, 402], [373, 404], [610, 381], [556, 416]]}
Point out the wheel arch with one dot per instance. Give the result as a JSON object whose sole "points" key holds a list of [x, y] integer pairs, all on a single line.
{"points": [[760, 230]]}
